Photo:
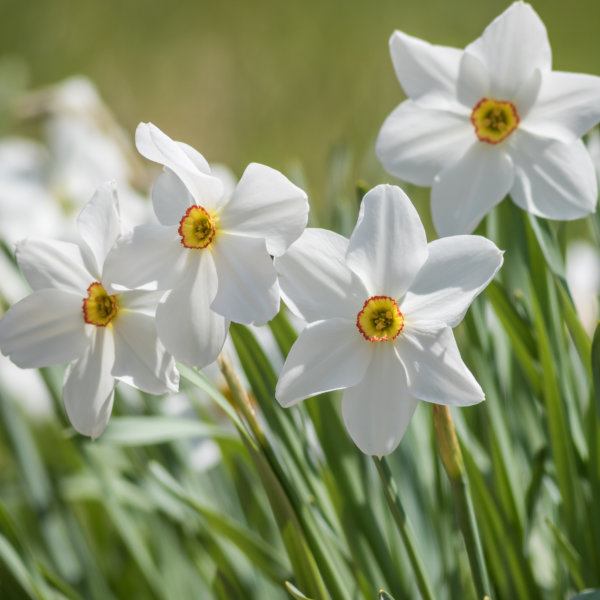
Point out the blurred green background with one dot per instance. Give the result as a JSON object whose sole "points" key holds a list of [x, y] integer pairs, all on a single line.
{"points": [[276, 81]]}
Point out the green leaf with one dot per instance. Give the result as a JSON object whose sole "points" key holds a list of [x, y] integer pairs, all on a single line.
{"points": [[384, 595], [143, 431], [519, 332], [295, 592], [571, 556], [587, 595], [596, 366], [261, 554], [11, 566]]}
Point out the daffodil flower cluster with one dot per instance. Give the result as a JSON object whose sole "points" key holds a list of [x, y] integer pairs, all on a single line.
{"points": [[481, 123]]}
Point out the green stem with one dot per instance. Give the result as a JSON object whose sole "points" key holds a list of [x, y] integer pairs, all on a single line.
{"points": [[317, 548], [401, 520], [452, 460]]}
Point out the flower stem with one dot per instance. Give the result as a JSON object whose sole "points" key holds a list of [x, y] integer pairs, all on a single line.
{"points": [[406, 532], [318, 553], [452, 460]]}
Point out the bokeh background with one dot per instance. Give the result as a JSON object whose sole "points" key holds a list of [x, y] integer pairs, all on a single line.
{"points": [[291, 83]]}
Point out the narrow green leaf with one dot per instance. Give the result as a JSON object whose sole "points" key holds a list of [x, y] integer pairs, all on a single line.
{"points": [[384, 595], [262, 555], [571, 556], [13, 566], [295, 592], [518, 331], [587, 595], [199, 380], [143, 431], [560, 439], [596, 366]]}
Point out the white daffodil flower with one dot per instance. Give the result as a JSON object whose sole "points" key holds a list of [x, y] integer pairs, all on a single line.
{"points": [[74, 315], [380, 308], [212, 250], [492, 120]]}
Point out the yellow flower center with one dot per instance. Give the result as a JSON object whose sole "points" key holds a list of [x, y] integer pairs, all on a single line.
{"points": [[197, 228], [494, 120], [99, 308], [380, 319]]}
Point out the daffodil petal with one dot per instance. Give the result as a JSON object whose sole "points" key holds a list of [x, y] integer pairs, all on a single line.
{"points": [[170, 198], [473, 82], [159, 147], [415, 143], [99, 225], [456, 271], [53, 264], [377, 410], [512, 46], [150, 256], [190, 330], [328, 355], [435, 369], [140, 358], [388, 245], [553, 180], [315, 280], [426, 72], [45, 328], [248, 291], [567, 106], [465, 191], [88, 388], [265, 204]]}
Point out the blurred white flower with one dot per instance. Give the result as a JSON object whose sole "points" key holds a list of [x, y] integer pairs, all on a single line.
{"points": [[42, 184], [211, 251], [583, 278], [492, 120], [380, 309], [75, 316]]}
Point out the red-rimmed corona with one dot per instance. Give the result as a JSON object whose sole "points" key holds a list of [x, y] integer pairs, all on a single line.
{"points": [[100, 307], [197, 228], [380, 319], [494, 120]]}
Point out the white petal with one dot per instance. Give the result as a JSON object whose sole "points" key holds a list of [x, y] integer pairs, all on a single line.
{"points": [[188, 327], [567, 106], [43, 329], [99, 223], [265, 204], [378, 410], [426, 72], [388, 245], [464, 192], [159, 147], [315, 280], [553, 180], [141, 301], [140, 358], [151, 256], [456, 271], [512, 46], [199, 161], [88, 389], [170, 198], [328, 355], [248, 291], [416, 143], [53, 264], [436, 372], [473, 80], [527, 95]]}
